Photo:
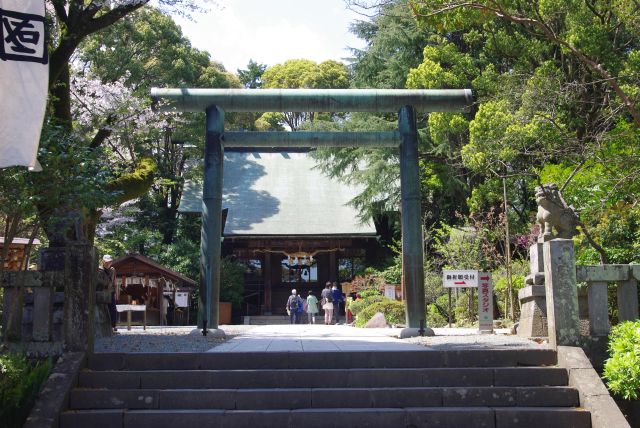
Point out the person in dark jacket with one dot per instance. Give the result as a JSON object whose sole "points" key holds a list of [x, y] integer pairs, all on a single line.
{"points": [[337, 299], [292, 306]]}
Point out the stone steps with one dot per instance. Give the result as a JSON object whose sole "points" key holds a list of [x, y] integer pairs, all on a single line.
{"points": [[443, 388], [450, 417], [323, 359], [313, 378], [329, 398]]}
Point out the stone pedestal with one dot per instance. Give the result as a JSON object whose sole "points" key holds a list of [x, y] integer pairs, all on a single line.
{"points": [[79, 265], [561, 293], [533, 312]]}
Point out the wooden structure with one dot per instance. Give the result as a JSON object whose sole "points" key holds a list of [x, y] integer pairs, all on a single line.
{"points": [[165, 293], [17, 255], [277, 264], [289, 224]]}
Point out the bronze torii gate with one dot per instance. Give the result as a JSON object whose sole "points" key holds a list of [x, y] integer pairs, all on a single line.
{"points": [[216, 101]]}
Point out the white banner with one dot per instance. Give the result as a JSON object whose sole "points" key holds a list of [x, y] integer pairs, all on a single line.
{"points": [[24, 79]]}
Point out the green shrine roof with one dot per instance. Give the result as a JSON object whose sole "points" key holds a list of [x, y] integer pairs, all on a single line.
{"points": [[281, 194]]}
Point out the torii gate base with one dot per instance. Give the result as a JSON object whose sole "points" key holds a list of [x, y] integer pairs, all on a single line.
{"points": [[214, 101]]}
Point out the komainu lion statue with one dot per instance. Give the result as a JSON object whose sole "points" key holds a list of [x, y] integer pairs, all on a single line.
{"points": [[554, 214]]}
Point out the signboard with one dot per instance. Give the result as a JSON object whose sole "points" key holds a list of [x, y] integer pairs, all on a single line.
{"points": [[459, 278], [390, 291], [485, 303], [182, 299]]}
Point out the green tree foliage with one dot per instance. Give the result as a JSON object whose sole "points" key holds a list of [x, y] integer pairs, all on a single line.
{"points": [[251, 77], [601, 36], [304, 73], [70, 23], [394, 45], [556, 100], [151, 50]]}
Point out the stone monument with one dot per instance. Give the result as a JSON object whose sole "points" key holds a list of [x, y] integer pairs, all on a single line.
{"points": [[556, 220]]}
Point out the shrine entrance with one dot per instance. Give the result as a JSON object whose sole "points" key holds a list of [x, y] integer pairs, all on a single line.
{"points": [[216, 101]]}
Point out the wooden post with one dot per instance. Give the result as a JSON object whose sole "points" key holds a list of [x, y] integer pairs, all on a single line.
{"points": [[449, 312], [266, 275], [333, 267]]}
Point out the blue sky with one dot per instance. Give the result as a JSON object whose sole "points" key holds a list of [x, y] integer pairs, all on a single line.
{"points": [[273, 31]]}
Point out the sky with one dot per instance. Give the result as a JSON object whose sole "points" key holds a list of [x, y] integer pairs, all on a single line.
{"points": [[272, 31]]}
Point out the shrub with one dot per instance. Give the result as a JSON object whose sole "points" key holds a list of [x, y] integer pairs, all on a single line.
{"points": [[622, 369], [369, 292], [358, 305], [393, 311], [461, 312], [369, 281], [20, 383], [435, 318], [393, 274]]}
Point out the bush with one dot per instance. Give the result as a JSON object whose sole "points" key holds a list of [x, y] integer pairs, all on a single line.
{"points": [[393, 311], [622, 369], [20, 383], [369, 292], [461, 313], [358, 305], [393, 274], [435, 318]]}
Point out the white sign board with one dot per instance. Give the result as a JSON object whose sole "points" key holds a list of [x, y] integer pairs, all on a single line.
{"points": [[390, 291], [182, 299], [485, 303], [459, 278]]}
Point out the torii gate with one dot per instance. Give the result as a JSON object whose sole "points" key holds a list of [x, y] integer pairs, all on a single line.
{"points": [[216, 101]]}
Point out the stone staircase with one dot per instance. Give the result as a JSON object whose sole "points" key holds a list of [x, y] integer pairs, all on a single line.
{"points": [[430, 388]]}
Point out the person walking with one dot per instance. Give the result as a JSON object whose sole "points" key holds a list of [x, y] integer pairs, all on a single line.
{"points": [[107, 282], [312, 307], [292, 306], [337, 299], [327, 303], [301, 310]]}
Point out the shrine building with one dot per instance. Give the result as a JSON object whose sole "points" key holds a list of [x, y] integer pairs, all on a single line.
{"points": [[289, 224]]}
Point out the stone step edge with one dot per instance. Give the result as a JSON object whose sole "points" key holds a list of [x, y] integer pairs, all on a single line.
{"points": [[456, 416], [318, 359], [296, 398]]}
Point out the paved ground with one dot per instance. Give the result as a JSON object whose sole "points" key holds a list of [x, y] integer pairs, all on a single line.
{"points": [[300, 338]]}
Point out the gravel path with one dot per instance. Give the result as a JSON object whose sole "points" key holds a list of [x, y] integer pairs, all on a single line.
{"points": [[185, 339], [466, 338], [165, 339]]}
